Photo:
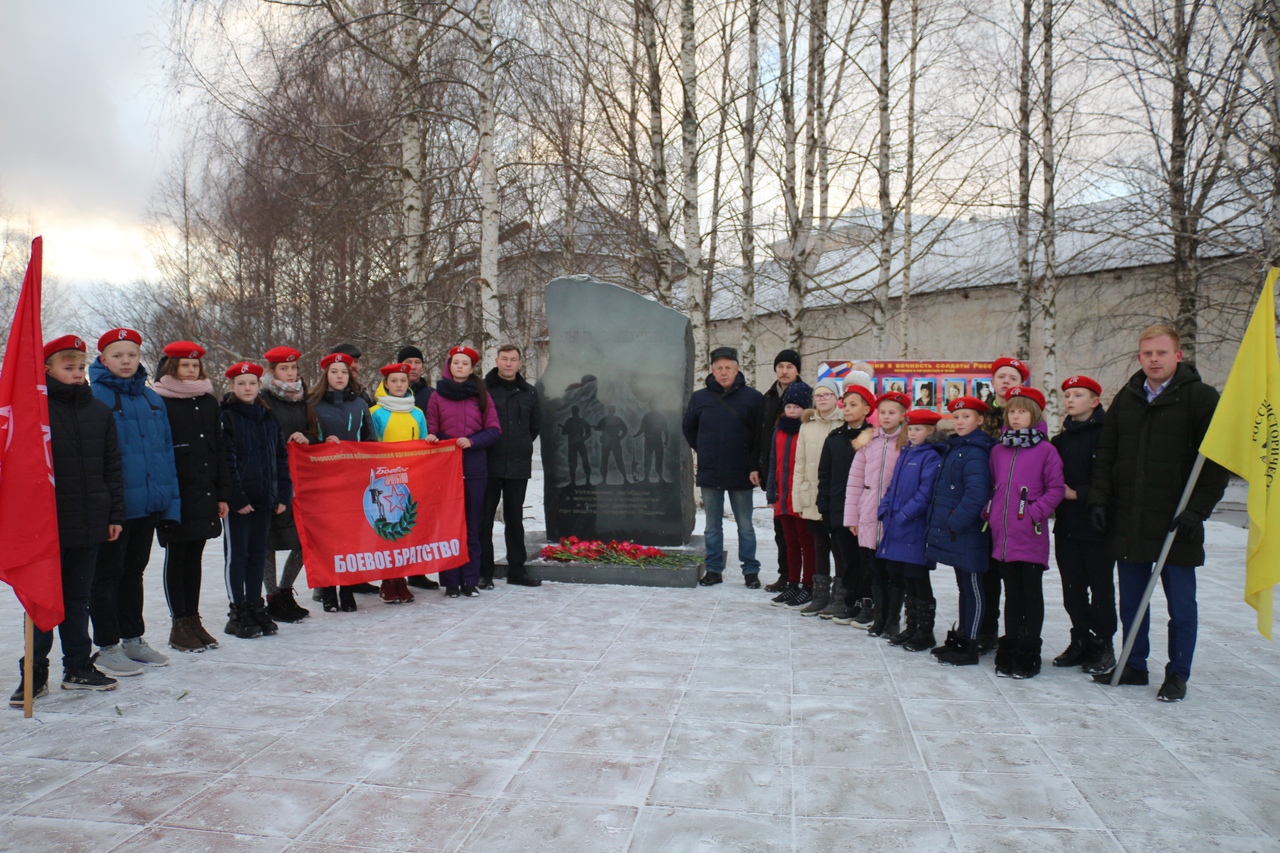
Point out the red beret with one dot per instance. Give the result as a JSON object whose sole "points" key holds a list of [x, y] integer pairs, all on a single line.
{"points": [[1031, 394], [184, 349], [335, 358], [923, 417], [967, 403], [895, 397], [1023, 370], [64, 342], [116, 335], [280, 355], [862, 391], [398, 367], [240, 368], [1083, 382], [467, 351]]}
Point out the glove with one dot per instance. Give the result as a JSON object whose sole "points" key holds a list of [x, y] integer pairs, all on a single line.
{"points": [[1098, 518], [1187, 523]]}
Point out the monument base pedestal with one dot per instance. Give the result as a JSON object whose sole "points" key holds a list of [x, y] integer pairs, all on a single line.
{"points": [[613, 573]]}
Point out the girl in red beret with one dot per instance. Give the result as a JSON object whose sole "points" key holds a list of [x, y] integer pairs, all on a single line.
{"points": [[204, 484], [461, 409]]}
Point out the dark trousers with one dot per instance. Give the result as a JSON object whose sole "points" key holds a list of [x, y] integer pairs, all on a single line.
{"points": [[780, 539], [920, 588], [867, 567], [990, 626], [799, 543], [115, 605], [182, 576], [1023, 599], [1179, 584], [844, 554], [972, 602], [1088, 587], [78, 568], [468, 574], [511, 494], [897, 573], [821, 534], [244, 545]]}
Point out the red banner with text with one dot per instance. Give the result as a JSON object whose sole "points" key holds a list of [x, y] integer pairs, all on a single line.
{"points": [[368, 511]]}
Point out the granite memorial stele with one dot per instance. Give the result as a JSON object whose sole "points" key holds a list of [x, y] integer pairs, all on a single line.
{"points": [[619, 374]]}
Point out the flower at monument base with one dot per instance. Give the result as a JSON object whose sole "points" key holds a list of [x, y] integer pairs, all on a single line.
{"points": [[572, 549]]}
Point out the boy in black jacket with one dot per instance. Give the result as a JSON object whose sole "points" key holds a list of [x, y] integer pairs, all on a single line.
{"points": [[1088, 588], [89, 487]]}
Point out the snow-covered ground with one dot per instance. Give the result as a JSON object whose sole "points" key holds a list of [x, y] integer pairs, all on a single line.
{"points": [[602, 718]]}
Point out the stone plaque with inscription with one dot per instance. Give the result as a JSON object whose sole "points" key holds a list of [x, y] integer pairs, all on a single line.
{"points": [[613, 392]]}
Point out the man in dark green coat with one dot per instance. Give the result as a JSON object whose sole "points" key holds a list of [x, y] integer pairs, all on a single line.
{"points": [[1149, 444]]}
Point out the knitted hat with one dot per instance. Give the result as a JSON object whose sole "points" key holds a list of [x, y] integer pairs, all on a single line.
{"points": [[116, 335], [183, 349], [799, 394], [64, 342], [724, 352], [787, 355], [1031, 394], [240, 368], [1023, 370], [1083, 382], [407, 352], [830, 384]]}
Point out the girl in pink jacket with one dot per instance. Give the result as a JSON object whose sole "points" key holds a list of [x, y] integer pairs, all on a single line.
{"points": [[868, 481]]}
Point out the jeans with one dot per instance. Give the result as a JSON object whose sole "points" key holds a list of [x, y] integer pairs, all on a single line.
{"points": [[1179, 584], [511, 494], [78, 566], [116, 601], [740, 503]]}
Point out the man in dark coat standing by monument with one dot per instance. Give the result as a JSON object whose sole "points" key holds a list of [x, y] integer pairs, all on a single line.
{"points": [[510, 466], [786, 367], [1149, 444], [720, 423]]}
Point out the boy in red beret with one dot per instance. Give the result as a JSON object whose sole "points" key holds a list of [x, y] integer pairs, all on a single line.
{"points": [[1088, 575]]}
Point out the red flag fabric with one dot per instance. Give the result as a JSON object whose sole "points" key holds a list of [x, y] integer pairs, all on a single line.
{"points": [[367, 511], [30, 559]]}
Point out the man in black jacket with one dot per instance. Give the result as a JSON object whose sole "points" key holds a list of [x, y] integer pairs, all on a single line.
{"points": [[719, 424], [510, 466], [89, 489], [786, 367], [418, 384], [1149, 444]]}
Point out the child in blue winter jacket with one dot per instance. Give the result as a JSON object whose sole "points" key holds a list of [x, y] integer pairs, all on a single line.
{"points": [[151, 499], [957, 535], [903, 512]]}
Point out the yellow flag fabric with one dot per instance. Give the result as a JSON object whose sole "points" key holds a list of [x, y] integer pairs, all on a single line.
{"points": [[1244, 437]]}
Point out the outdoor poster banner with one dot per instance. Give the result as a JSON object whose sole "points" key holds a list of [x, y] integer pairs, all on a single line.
{"points": [[367, 510], [931, 384]]}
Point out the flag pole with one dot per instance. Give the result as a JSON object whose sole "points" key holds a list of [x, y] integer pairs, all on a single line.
{"points": [[1130, 635], [28, 668]]}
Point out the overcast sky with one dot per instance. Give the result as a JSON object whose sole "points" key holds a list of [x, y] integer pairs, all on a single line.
{"points": [[82, 130]]}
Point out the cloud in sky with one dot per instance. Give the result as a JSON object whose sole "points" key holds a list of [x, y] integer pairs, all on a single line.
{"points": [[82, 141]]}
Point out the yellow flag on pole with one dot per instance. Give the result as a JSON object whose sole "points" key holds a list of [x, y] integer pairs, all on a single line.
{"points": [[1244, 438]]}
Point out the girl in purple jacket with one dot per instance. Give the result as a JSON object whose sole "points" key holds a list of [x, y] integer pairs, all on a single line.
{"points": [[1026, 472], [461, 409]]}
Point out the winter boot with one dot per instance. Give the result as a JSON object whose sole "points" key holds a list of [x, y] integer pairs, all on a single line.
{"points": [[299, 611], [1076, 653], [346, 599], [821, 596], [879, 606], [486, 581], [402, 588], [39, 683], [986, 643], [751, 581], [923, 639], [278, 607], [197, 628], [710, 579], [948, 644], [240, 623], [329, 598], [837, 603], [893, 619], [866, 614], [424, 582], [182, 638], [783, 598], [1006, 657], [389, 591], [258, 610], [900, 638], [964, 653], [1102, 657], [780, 585], [1026, 660], [803, 596]]}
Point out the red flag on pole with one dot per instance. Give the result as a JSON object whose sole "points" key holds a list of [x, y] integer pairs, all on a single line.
{"points": [[30, 560]]}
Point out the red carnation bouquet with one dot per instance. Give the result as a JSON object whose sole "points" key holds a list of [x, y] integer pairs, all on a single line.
{"points": [[571, 549]]}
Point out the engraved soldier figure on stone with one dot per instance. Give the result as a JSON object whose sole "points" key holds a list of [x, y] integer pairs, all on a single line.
{"points": [[576, 431], [653, 430], [613, 430]]}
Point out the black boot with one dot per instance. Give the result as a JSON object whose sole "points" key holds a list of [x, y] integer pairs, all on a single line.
{"points": [[780, 585], [258, 612], [329, 598], [1102, 657], [280, 607], [949, 643], [422, 582], [519, 576], [892, 629], [879, 604], [923, 639], [39, 683], [909, 610], [965, 653], [710, 579], [486, 579], [1026, 662], [240, 623], [346, 599], [1076, 653], [1006, 652]]}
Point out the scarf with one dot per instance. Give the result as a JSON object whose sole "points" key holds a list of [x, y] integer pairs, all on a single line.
{"points": [[397, 404], [182, 389], [291, 391], [1021, 437], [790, 426], [457, 390]]}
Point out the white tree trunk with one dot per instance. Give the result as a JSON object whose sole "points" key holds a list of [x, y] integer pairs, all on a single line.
{"points": [[786, 96], [1048, 229], [697, 305], [661, 203], [881, 297], [908, 188], [748, 354], [491, 314], [1023, 216]]}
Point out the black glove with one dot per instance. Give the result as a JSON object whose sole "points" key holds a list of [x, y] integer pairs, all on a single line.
{"points": [[1187, 523], [1098, 518]]}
